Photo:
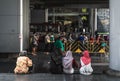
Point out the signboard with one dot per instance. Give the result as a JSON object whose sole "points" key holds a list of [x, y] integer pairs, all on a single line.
{"points": [[103, 20]]}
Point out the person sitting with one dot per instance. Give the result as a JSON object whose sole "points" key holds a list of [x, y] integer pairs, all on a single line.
{"points": [[85, 62], [56, 57], [23, 63], [69, 63]]}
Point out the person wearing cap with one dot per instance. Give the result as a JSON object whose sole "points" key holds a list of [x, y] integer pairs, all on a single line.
{"points": [[23, 63]]}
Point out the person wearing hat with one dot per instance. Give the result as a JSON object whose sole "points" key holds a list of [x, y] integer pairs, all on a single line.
{"points": [[23, 63]]}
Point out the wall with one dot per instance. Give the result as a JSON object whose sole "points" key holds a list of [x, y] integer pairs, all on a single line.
{"points": [[10, 26]]}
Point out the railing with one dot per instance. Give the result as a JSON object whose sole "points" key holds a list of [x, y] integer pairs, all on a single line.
{"points": [[92, 47], [79, 47]]}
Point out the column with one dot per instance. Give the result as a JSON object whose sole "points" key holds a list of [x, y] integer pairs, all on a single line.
{"points": [[92, 21], [46, 15], [46, 19], [114, 38], [9, 26], [95, 25], [53, 19]]}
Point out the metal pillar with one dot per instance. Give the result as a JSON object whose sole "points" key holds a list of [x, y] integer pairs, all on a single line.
{"points": [[53, 15], [95, 25], [92, 22], [46, 15]]}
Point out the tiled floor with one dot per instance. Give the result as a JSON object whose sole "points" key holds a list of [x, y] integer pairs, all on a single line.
{"points": [[42, 71], [57, 77]]}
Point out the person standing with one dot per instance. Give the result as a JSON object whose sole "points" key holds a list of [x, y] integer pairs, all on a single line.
{"points": [[35, 43], [47, 42]]}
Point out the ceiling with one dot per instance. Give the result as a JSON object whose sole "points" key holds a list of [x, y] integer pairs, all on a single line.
{"points": [[62, 3]]}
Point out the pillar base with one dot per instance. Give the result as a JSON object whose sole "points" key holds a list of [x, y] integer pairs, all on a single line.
{"points": [[113, 72]]}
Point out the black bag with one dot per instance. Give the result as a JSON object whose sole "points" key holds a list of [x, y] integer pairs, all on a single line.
{"points": [[56, 57], [55, 69]]}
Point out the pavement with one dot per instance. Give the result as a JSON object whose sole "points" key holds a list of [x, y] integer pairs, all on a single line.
{"points": [[55, 77], [42, 62], [42, 73]]}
